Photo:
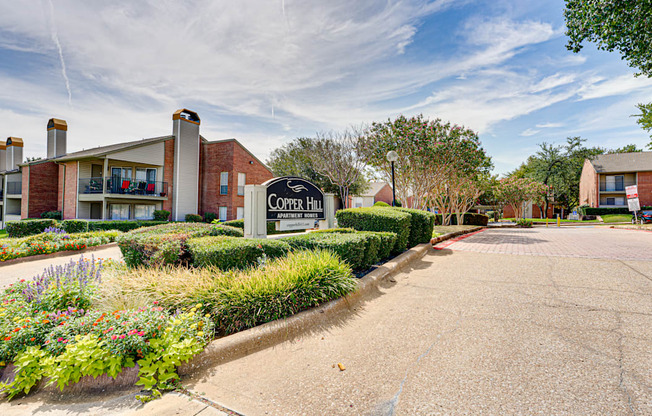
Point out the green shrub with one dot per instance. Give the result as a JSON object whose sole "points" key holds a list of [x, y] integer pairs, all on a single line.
{"points": [[124, 226], [523, 223], [375, 219], [161, 215], [160, 245], [194, 218], [349, 247], [209, 217], [74, 226], [226, 230], [470, 218], [371, 249], [233, 253], [387, 243], [52, 215], [235, 223], [381, 204], [606, 211], [24, 228], [421, 225]]}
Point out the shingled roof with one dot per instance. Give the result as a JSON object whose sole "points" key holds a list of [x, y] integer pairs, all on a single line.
{"points": [[623, 162], [104, 150]]}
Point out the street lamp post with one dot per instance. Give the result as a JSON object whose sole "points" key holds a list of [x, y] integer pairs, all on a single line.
{"points": [[392, 157]]}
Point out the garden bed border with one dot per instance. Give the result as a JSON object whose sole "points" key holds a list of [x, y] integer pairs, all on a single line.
{"points": [[447, 236], [55, 254]]}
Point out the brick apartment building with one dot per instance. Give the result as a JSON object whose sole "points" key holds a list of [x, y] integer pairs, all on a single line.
{"points": [[604, 178], [183, 173]]}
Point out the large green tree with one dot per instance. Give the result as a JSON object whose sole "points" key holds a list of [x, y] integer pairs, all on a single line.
{"points": [[613, 25]]}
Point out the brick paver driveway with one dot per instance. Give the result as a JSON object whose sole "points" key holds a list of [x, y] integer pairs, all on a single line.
{"points": [[584, 242]]}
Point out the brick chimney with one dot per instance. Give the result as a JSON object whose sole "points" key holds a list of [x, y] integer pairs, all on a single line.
{"points": [[57, 132], [14, 154], [3, 155], [185, 183]]}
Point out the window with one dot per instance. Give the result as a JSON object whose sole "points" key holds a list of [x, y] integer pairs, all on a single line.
{"points": [[119, 211], [144, 212], [615, 201], [242, 178], [240, 213], [615, 183], [224, 183], [222, 213]]}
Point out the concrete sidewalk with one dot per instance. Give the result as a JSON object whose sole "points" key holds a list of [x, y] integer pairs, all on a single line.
{"points": [[11, 273]]}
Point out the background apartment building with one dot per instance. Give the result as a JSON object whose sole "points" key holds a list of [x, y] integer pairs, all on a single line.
{"points": [[183, 173]]}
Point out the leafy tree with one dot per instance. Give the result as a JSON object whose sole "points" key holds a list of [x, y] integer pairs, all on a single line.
{"points": [[515, 192], [436, 159], [645, 119], [339, 156], [629, 148], [293, 159], [613, 25]]}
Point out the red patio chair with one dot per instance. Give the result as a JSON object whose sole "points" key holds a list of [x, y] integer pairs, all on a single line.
{"points": [[150, 188], [125, 185]]}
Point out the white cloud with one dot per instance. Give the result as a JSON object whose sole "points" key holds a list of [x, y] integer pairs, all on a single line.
{"points": [[599, 87], [549, 125], [529, 132]]}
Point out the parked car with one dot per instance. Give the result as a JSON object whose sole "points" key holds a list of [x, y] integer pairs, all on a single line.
{"points": [[644, 217]]}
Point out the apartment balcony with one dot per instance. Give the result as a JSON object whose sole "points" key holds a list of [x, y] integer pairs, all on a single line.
{"points": [[616, 188], [96, 189], [14, 189]]}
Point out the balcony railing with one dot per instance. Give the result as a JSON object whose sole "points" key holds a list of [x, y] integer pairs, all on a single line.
{"points": [[616, 187], [14, 188], [122, 186]]}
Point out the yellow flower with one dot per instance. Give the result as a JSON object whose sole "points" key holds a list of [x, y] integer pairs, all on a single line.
{"points": [[208, 315], [199, 305], [200, 333], [77, 337], [176, 322]]}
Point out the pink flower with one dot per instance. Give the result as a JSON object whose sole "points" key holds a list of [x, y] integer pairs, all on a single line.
{"points": [[122, 336], [141, 333], [113, 337]]}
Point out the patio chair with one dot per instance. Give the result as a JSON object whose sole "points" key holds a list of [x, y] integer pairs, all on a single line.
{"points": [[151, 188], [125, 185]]}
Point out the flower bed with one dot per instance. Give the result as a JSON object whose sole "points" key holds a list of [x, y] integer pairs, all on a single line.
{"points": [[63, 324], [53, 240]]}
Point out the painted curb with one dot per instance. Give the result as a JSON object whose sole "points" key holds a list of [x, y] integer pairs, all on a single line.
{"points": [[448, 236], [57, 254]]}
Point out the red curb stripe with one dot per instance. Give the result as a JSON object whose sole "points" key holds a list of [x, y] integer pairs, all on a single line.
{"points": [[443, 245]]}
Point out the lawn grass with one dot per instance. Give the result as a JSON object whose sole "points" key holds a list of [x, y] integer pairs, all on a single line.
{"points": [[3, 233], [610, 218], [445, 229]]}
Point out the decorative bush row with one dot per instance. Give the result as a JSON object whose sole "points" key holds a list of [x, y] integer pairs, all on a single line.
{"points": [[23, 228], [271, 227], [379, 219], [233, 253], [53, 240], [608, 211], [421, 225], [470, 218]]}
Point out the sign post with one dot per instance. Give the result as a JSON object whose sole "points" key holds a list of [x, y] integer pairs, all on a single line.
{"points": [[292, 203], [632, 200]]}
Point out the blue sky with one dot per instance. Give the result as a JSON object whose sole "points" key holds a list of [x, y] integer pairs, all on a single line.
{"points": [[268, 71]]}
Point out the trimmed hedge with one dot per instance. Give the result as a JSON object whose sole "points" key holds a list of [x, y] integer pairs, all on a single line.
{"points": [[271, 227], [371, 249], [608, 211], [124, 226], [470, 218], [74, 226], [378, 219], [194, 218], [161, 215], [235, 223], [160, 245], [381, 204], [421, 225], [349, 247], [387, 243], [52, 215], [233, 253], [226, 231], [209, 217], [23, 228]]}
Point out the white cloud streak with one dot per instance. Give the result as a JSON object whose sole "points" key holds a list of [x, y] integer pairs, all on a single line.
{"points": [[55, 39]]}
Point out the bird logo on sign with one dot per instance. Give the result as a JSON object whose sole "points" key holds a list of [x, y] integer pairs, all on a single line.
{"points": [[297, 188]]}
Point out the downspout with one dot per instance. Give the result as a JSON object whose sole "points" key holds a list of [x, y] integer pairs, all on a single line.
{"points": [[63, 189]]}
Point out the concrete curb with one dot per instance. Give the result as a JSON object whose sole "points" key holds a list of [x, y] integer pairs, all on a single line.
{"points": [[273, 333], [448, 236], [54, 255]]}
